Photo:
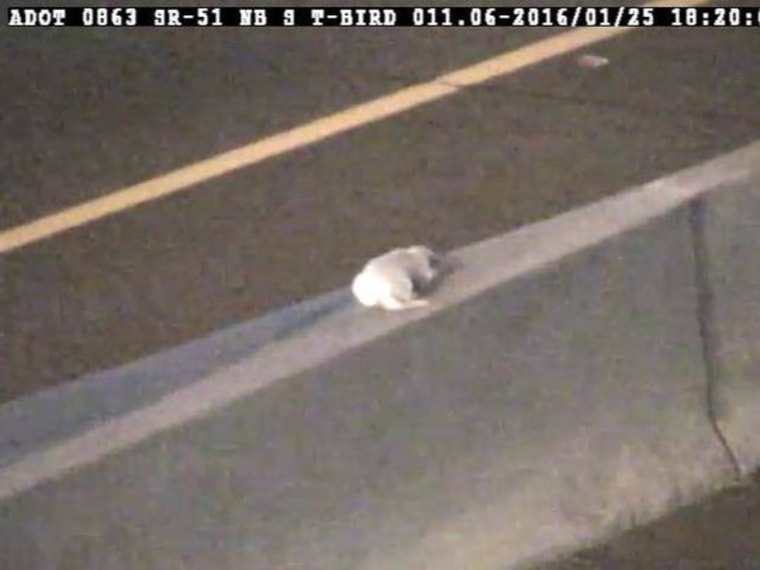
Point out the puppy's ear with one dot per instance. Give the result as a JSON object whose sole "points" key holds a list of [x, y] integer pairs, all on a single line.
{"points": [[443, 263]]}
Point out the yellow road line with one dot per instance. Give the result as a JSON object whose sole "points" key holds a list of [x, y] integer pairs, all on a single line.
{"points": [[309, 133]]}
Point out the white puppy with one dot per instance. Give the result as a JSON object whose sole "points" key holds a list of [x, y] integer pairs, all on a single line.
{"points": [[397, 279]]}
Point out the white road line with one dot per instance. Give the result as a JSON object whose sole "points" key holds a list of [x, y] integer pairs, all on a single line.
{"points": [[320, 129]]}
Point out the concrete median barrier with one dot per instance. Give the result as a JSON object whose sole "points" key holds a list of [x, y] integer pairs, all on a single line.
{"points": [[572, 378]]}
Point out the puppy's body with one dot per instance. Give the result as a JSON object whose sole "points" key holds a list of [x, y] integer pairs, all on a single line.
{"points": [[397, 279]]}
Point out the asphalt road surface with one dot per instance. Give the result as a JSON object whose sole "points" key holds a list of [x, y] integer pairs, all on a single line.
{"points": [[87, 112]]}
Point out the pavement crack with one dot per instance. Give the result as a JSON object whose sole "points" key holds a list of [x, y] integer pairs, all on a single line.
{"points": [[706, 322]]}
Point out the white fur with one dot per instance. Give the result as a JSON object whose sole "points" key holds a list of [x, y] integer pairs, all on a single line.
{"points": [[395, 280]]}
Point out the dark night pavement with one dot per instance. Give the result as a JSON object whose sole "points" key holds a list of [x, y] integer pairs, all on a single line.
{"points": [[88, 111]]}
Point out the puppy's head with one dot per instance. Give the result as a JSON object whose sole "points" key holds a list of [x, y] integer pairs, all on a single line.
{"points": [[426, 254], [439, 264]]}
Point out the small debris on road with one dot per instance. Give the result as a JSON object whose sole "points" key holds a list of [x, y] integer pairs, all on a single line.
{"points": [[592, 61]]}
